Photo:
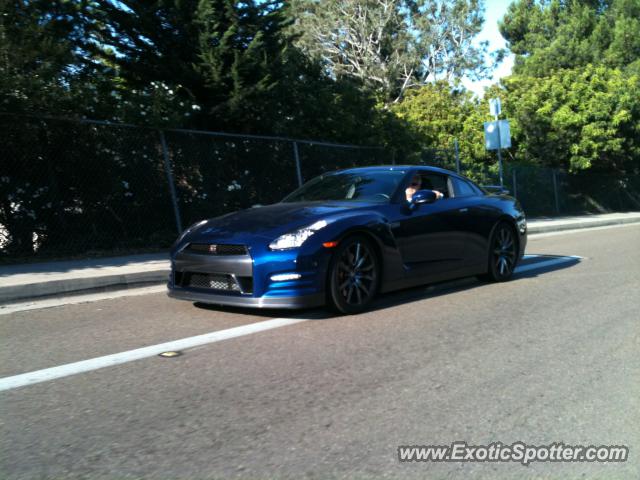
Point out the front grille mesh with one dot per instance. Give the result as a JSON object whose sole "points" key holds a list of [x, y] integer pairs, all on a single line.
{"points": [[217, 249], [213, 282]]}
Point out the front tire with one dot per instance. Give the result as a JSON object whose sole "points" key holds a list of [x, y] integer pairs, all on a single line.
{"points": [[353, 275], [503, 253]]}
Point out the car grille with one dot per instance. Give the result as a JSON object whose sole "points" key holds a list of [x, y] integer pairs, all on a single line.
{"points": [[216, 249], [214, 281]]}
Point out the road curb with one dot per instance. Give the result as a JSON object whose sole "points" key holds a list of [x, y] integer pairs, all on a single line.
{"points": [[75, 286], [593, 223]]}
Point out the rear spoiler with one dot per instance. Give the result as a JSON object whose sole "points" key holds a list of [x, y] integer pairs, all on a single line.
{"points": [[497, 189]]}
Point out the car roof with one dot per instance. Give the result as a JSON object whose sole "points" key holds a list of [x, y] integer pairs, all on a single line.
{"points": [[378, 168]]}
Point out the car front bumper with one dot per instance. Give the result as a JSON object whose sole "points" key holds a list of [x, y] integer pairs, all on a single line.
{"points": [[248, 280], [297, 302]]}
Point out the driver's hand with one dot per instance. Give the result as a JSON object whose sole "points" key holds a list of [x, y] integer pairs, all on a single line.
{"points": [[439, 195]]}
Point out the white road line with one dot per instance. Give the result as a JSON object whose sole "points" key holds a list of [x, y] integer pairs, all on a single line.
{"points": [[53, 373], [46, 374], [76, 299]]}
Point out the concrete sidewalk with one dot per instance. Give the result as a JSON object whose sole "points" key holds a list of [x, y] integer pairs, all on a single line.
{"points": [[32, 280], [20, 282]]}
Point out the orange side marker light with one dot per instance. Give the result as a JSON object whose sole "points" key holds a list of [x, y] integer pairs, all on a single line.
{"points": [[330, 244]]}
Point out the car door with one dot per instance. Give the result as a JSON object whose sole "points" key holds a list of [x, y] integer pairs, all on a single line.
{"points": [[470, 220], [473, 221], [429, 236]]}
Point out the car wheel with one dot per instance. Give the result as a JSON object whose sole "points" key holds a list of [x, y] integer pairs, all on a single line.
{"points": [[503, 254], [353, 275]]}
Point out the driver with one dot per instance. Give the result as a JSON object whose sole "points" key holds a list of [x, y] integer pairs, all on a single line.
{"points": [[415, 185]]}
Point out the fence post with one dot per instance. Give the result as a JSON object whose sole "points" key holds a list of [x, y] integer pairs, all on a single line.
{"points": [[619, 187], [515, 184], [172, 187], [555, 192], [455, 145], [297, 158]]}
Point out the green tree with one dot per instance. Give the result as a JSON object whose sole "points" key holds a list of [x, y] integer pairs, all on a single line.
{"points": [[556, 34], [40, 69], [437, 114], [241, 59], [577, 119], [392, 45], [573, 96], [233, 65]]}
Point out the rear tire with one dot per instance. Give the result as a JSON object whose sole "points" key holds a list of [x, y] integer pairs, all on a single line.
{"points": [[353, 277], [503, 254]]}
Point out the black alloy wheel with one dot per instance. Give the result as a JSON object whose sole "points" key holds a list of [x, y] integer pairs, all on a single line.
{"points": [[353, 275], [503, 255]]}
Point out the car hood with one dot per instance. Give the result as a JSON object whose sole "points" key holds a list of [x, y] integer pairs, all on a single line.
{"points": [[269, 221]]}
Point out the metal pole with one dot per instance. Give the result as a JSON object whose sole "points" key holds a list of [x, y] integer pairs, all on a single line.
{"points": [[455, 145], [297, 157], [172, 187], [515, 184], [500, 167], [499, 152], [555, 192]]}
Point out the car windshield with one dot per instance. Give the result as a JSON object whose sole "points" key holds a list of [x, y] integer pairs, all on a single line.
{"points": [[377, 186]]}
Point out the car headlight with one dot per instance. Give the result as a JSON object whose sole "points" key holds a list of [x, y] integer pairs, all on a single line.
{"points": [[297, 238]]}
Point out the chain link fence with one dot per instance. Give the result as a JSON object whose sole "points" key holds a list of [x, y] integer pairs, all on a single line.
{"points": [[80, 188], [71, 188], [547, 191]]}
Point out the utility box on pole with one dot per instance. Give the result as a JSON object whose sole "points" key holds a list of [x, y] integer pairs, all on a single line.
{"points": [[497, 134]]}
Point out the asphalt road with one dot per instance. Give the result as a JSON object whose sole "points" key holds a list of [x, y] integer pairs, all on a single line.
{"points": [[553, 355]]}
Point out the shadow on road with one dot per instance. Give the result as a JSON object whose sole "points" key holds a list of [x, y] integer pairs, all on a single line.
{"points": [[530, 266], [306, 314]]}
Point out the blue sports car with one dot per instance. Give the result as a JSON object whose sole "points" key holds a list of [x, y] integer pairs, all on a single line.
{"points": [[345, 236]]}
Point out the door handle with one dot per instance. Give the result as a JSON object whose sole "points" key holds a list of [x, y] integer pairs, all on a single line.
{"points": [[463, 210]]}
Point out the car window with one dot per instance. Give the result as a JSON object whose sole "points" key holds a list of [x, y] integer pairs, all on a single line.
{"points": [[376, 186], [477, 189], [435, 181], [462, 188]]}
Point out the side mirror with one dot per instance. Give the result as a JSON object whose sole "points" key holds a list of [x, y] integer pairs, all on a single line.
{"points": [[423, 196]]}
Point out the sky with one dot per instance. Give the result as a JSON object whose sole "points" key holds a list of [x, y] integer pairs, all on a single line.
{"points": [[494, 11]]}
